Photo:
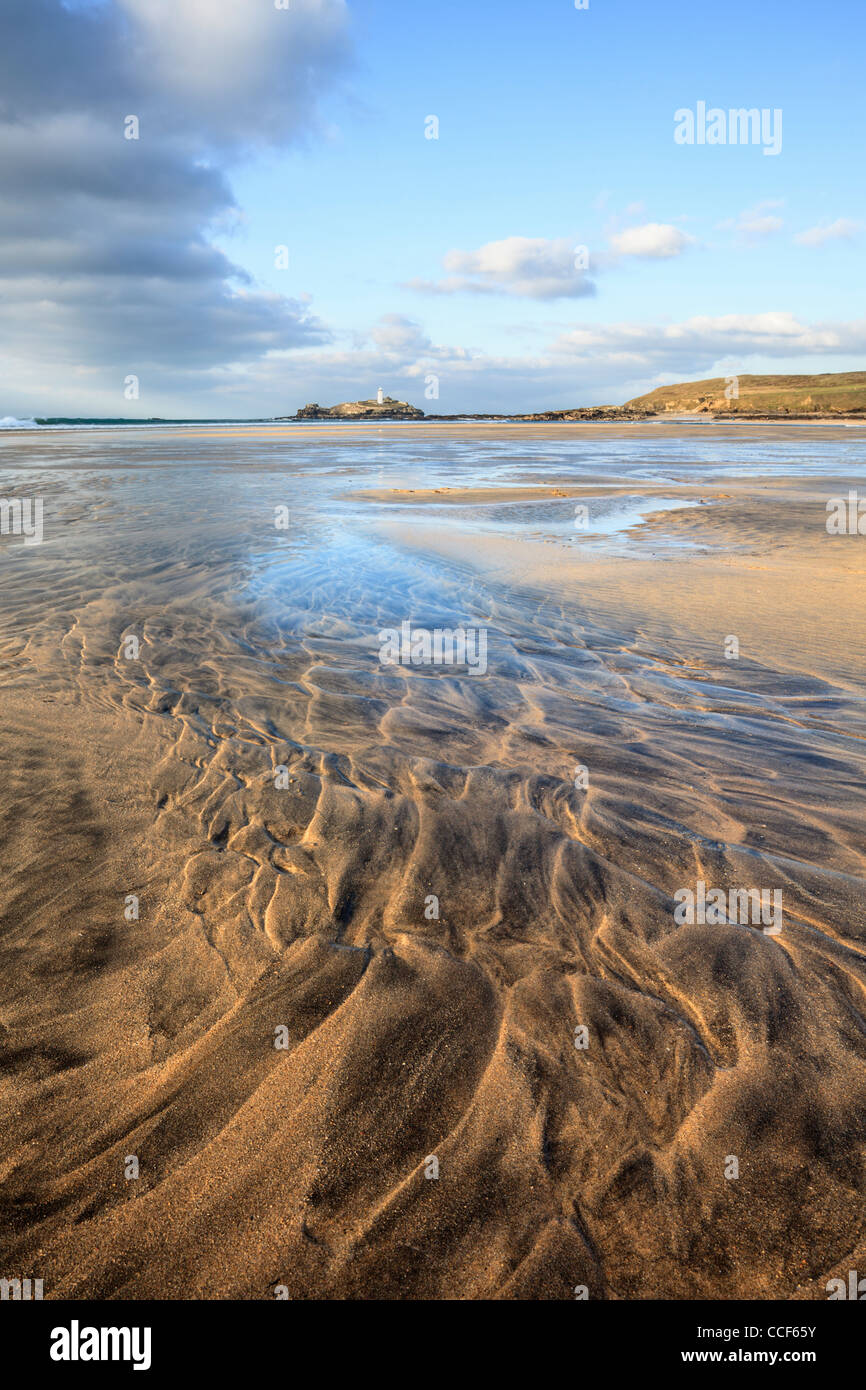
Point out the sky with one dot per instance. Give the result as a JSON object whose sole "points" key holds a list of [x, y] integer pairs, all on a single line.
{"points": [[232, 208]]}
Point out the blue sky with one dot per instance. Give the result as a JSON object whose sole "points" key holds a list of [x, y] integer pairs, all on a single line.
{"points": [[410, 258]]}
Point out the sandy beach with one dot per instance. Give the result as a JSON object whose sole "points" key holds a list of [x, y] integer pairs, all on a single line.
{"points": [[335, 978]]}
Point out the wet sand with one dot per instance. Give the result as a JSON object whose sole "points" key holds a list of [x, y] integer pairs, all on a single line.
{"points": [[298, 906]]}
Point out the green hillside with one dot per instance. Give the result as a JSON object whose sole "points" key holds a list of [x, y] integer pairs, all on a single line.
{"points": [[832, 393]]}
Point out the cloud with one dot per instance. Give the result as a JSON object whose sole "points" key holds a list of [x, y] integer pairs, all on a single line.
{"points": [[106, 244], [215, 74], [652, 240], [756, 222], [526, 267], [546, 269], [843, 229], [238, 71], [394, 333], [698, 343]]}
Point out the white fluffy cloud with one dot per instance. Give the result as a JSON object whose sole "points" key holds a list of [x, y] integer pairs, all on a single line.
{"points": [[527, 267], [696, 343], [755, 223], [843, 229], [396, 333], [549, 268], [652, 241]]}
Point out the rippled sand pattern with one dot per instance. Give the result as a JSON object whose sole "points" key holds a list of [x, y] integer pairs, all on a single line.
{"points": [[304, 907]]}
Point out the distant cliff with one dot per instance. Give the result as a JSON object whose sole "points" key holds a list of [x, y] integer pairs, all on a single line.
{"points": [[362, 410]]}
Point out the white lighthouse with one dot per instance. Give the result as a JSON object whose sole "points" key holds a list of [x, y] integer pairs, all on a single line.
{"points": [[380, 398]]}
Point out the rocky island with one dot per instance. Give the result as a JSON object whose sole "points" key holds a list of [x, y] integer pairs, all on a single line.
{"points": [[390, 409], [383, 408]]}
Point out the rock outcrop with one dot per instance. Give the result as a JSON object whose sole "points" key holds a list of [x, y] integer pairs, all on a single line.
{"points": [[389, 409]]}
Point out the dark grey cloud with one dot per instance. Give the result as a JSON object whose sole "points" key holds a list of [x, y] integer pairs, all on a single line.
{"points": [[106, 254], [219, 74]]}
